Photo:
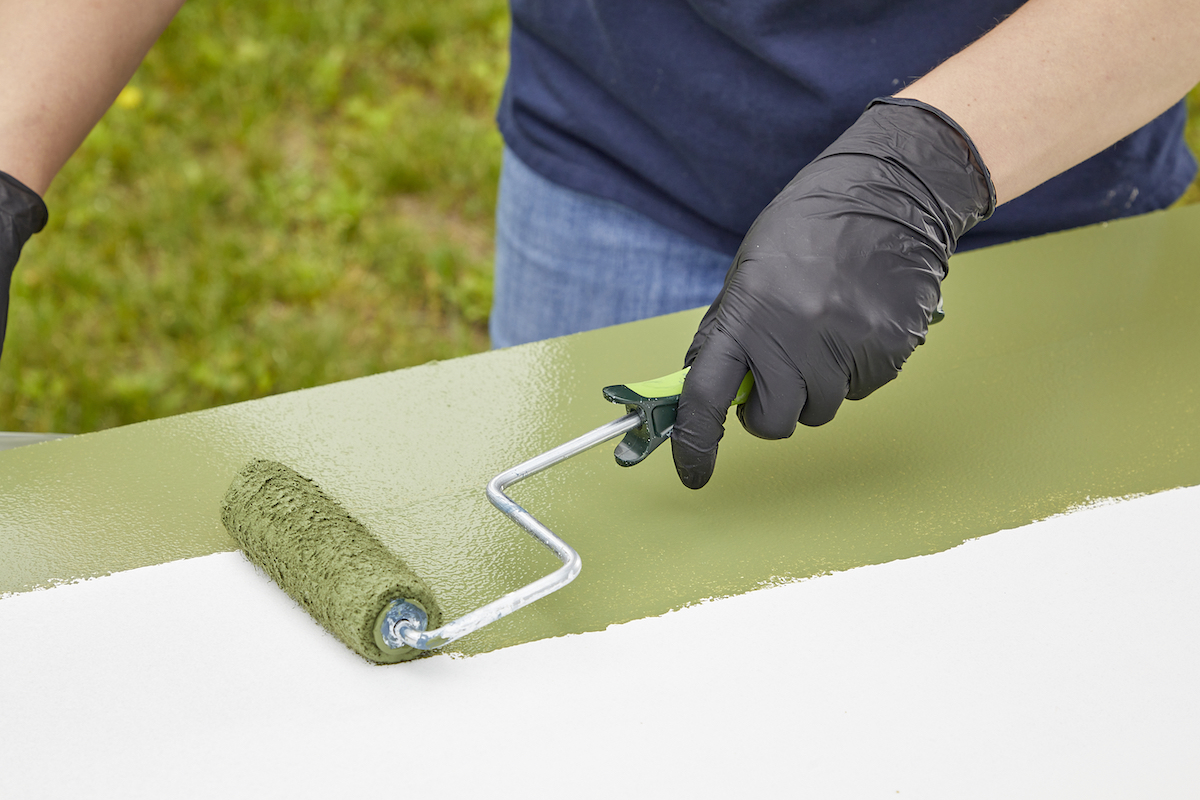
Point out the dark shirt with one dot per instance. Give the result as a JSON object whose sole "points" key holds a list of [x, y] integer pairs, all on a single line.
{"points": [[697, 112]]}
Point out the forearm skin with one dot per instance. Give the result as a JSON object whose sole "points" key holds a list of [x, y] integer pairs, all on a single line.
{"points": [[1060, 80], [62, 63]]}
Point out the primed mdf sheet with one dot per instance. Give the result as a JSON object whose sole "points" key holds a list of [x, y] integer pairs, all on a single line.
{"points": [[1053, 661], [1066, 371]]}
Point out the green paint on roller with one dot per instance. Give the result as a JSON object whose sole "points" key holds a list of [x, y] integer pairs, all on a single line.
{"points": [[326, 560]]}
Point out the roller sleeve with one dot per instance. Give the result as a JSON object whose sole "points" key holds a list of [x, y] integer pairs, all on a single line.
{"points": [[326, 560]]}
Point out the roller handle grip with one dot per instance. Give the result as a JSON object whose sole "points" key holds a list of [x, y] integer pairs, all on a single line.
{"points": [[657, 402]]}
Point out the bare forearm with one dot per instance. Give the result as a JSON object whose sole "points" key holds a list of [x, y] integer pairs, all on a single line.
{"points": [[62, 62], [1060, 80]]}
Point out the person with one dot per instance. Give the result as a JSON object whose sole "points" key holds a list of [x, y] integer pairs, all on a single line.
{"points": [[651, 144]]}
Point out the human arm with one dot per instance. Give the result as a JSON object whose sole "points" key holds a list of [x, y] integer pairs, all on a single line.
{"points": [[836, 282], [1060, 80], [62, 63]]}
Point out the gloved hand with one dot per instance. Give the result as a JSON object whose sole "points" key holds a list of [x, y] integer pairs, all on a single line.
{"points": [[836, 282], [22, 214]]}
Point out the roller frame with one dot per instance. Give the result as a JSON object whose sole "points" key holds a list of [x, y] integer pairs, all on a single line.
{"points": [[403, 623]]}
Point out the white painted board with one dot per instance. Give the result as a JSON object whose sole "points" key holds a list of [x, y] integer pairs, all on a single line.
{"points": [[1056, 660]]}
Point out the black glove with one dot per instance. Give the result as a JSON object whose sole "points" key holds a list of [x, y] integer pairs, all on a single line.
{"points": [[22, 214], [836, 282]]}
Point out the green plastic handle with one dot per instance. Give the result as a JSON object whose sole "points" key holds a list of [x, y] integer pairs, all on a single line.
{"points": [[672, 386], [657, 401]]}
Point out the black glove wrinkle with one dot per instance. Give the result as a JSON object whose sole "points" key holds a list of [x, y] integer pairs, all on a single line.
{"points": [[695, 441]]}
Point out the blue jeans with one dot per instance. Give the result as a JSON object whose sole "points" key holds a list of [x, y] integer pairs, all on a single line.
{"points": [[569, 262]]}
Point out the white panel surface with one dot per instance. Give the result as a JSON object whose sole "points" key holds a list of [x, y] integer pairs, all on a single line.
{"points": [[1056, 660]]}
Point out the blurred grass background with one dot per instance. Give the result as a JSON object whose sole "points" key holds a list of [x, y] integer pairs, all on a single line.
{"points": [[285, 195]]}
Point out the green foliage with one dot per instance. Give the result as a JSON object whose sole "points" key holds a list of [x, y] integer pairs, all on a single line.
{"points": [[286, 194]]}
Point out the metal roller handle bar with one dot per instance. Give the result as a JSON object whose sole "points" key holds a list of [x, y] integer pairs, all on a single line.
{"points": [[404, 623]]}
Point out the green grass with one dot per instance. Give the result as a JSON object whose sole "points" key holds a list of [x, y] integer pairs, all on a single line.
{"points": [[289, 194], [286, 195]]}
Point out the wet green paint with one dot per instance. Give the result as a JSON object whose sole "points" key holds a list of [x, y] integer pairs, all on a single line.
{"points": [[1066, 371]]}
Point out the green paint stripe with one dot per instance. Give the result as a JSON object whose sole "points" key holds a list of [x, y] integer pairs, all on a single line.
{"points": [[1065, 371]]}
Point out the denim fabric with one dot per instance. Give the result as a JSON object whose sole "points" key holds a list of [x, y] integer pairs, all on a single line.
{"points": [[569, 262]]}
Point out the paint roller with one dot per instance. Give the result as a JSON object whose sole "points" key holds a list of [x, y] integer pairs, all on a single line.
{"points": [[364, 593]]}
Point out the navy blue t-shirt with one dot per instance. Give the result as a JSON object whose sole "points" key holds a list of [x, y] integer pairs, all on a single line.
{"points": [[697, 112]]}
